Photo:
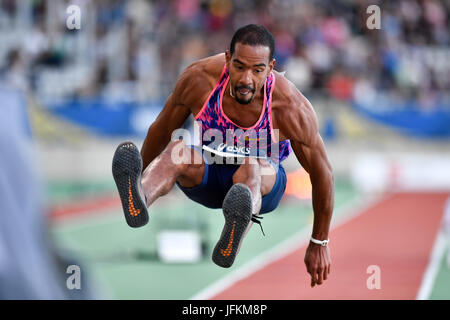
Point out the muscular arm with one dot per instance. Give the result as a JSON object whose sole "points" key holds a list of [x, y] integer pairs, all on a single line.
{"points": [[172, 117], [176, 110], [301, 127], [313, 158]]}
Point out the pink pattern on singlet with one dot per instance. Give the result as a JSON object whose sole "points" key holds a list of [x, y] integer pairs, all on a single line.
{"points": [[212, 117]]}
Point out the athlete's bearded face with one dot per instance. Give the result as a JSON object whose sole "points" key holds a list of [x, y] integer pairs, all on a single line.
{"points": [[249, 68]]}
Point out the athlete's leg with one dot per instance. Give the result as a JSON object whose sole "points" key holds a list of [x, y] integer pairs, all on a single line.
{"points": [[249, 173], [177, 162], [242, 201], [137, 189]]}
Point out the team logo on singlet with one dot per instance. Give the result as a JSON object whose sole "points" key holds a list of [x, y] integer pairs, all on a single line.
{"points": [[236, 143], [225, 150]]}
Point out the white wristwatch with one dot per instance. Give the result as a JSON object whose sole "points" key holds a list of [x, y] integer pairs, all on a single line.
{"points": [[323, 243]]}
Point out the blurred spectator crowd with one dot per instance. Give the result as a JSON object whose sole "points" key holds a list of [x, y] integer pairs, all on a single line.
{"points": [[134, 50]]}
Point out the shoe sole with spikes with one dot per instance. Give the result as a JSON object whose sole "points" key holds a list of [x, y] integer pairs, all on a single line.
{"points": [[126, 170], [237, 210]]}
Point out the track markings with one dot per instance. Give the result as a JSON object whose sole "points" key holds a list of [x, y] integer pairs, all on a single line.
{"points": [[342, 215]]}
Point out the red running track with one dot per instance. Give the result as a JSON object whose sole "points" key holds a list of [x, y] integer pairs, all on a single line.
{"points": [[396, 234], [85, 207]]}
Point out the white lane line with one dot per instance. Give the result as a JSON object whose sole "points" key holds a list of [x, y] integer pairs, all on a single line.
{"points": [[429, 277], [342, 215]]}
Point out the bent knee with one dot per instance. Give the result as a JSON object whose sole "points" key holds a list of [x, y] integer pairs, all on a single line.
{"points": [[256, 173], [188, 163], [248, 172], [180, 154]]}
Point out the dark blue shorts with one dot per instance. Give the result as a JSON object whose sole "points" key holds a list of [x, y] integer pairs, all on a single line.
{"points": [[218, 179]]}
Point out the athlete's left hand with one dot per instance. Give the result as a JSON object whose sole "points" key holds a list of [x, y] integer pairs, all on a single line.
{"points": [[318, 263]]}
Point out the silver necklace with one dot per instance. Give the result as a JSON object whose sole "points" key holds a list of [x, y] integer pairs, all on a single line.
{"points": [[230, 92]]}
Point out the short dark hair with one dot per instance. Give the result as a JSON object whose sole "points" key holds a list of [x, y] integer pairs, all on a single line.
{"points": [[254, 35]]}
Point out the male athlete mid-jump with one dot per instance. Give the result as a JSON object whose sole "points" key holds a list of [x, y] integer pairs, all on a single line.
{"points": [[248, 113]]}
